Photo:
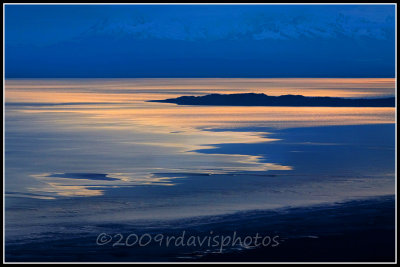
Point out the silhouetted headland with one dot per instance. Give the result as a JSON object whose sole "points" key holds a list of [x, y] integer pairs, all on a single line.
{"points": [[252, 99]]}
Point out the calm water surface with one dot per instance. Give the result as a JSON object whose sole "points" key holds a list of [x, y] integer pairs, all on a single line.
{"points": [[94, 151]]}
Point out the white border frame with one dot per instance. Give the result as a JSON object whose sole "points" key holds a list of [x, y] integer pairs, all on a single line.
{"points": [[4, 78]]}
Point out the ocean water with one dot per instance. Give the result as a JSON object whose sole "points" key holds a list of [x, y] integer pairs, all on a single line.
{"points": [[84, 153]]}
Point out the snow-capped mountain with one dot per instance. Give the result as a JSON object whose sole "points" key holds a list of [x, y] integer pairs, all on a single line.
{"points": [[257, 27]]}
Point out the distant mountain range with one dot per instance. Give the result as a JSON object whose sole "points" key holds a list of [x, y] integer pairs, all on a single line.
{"points": [[183, 41], [252, 99], [272, 23]]}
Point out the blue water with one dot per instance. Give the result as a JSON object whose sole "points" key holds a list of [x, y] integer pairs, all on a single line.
{"points": [[121, 163]]}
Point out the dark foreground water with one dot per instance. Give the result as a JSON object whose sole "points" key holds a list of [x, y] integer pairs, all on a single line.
{"points": [[361, 230]]}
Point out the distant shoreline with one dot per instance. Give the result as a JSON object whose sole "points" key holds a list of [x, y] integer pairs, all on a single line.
{"points": [[253, 99]]}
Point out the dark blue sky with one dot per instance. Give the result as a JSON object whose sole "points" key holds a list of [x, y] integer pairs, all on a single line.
{"points": [[199, 41]]}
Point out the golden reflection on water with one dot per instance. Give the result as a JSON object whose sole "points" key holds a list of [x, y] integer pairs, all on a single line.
{"points": [[126, 98], [179, 118], [119, 107], [89, 90]]}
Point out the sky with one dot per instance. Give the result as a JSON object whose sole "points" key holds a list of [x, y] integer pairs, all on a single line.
{"points": [[199, 41]]}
